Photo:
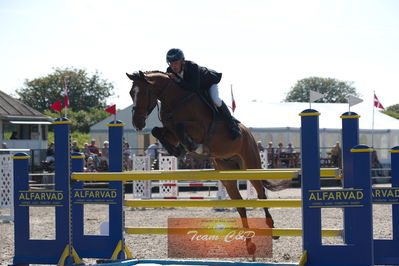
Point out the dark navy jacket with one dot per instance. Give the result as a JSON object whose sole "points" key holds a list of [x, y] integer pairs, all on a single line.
{"points": [[197, 78]]}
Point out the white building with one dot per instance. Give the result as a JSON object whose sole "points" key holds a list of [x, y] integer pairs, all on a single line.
{"points": [[21, 126]]}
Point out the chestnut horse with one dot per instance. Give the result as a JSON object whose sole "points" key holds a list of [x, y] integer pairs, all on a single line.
{"points": [[187, 122]]}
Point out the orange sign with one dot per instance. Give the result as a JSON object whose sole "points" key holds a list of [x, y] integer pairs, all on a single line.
{"points": [[219, 238]]}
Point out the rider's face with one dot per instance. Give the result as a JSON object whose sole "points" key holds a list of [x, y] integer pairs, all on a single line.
{"points": [[177, 66]]}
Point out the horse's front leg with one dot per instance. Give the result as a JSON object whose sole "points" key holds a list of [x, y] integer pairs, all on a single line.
{"points": [[184, 138], [168, 141]]}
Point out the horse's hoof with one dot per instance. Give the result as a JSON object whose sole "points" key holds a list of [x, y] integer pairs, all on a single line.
{"points": [[251, 248], [270, 223]]}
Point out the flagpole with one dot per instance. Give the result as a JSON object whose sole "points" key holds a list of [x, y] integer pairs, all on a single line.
{"points": [[232, 98], [372, 126], [65, 107]]}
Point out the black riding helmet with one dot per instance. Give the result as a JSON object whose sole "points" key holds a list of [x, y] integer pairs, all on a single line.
{"points": [[174, 55]]}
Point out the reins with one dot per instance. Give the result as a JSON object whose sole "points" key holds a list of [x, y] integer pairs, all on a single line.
{"points": [[176, 106]]}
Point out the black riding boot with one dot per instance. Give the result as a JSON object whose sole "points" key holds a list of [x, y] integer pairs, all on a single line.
{"points": [[234, 129]]}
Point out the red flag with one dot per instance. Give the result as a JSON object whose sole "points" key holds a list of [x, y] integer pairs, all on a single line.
{"points": [[66, 97], [57, 106], [377, 102], [111, 109], [233, 102]]}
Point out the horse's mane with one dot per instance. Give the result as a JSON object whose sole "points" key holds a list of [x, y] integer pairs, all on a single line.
{"points": [[155, 72], [137, 74]]}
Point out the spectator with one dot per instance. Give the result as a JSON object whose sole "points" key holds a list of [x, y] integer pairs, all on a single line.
{"points": [[90, 165], [270, 154], [336, 155], [50, 153], [75, 147], [127, 162], [152, 150], [86, 150], [93, 147], [270, 148], [260, 146], [289, 148], [4, 145], [105, 151], [280, 148], [375, 164], [103, 167], [292, 158]]}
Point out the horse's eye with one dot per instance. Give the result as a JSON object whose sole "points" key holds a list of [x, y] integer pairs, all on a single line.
{"points": [[134, 108]]}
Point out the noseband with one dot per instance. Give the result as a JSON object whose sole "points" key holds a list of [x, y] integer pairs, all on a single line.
{"points": [[149, 108]]}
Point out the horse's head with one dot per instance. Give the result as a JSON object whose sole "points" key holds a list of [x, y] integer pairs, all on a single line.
{"points": [[144, 93]]}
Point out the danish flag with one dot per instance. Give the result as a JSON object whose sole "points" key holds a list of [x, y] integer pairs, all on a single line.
{"points": [[233, 102], [377, 103]]}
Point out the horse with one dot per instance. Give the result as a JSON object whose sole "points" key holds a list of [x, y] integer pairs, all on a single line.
{"points": [[190, 125]]}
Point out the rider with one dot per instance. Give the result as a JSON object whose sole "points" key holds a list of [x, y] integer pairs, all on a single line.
{"points": [[196, 78]]}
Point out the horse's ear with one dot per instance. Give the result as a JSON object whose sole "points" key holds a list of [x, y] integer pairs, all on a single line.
{"points": [[130, 76], [141, 75]]}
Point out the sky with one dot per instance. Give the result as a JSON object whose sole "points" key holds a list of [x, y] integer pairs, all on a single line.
{"points": [[262, 47]]}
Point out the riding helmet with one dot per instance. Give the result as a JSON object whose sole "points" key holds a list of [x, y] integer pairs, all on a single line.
{"points": [[174, 55]]}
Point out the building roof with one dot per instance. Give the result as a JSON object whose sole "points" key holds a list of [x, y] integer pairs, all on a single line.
{"points": [[11, 108], [281, 115]]}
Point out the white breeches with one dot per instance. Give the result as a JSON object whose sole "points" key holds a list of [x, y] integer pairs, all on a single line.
{"points": [[214, 92]]}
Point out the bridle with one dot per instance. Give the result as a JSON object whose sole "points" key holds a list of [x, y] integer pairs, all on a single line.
{"points": [[149, 108], [167, 111]]}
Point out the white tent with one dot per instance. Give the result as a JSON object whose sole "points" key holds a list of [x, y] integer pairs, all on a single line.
{"points": [[280, 122], [280, 115]]}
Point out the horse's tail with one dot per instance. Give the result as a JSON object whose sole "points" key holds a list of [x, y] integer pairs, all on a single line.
{"points": [[277, 184]]}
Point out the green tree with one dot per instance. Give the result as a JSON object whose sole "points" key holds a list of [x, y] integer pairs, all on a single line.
{"points": [[85, 91], [393, 111], [393, 108], [335, 91]]}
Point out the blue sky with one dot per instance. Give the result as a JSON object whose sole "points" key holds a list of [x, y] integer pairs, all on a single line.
{"points": [[262, 47]]}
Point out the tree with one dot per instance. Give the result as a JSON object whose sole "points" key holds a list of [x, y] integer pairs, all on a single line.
{"points": [[393, 111], [85, 91], [393, 108], [335, 91]]}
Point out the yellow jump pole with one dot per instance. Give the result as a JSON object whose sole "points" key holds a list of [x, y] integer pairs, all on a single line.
{"points": [[215, 203], [186, 175], [274, 231]]}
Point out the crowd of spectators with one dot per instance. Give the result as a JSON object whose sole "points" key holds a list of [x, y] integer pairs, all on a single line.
{"points": [[97, 159], [280, 156]]}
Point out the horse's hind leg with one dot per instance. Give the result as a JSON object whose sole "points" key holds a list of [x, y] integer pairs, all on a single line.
{"points": [[260, 190], [234, 194]]}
